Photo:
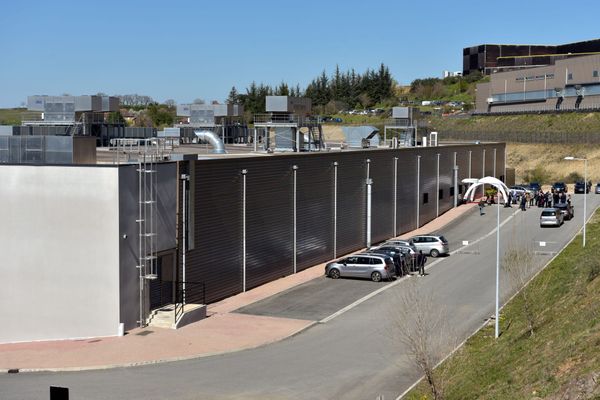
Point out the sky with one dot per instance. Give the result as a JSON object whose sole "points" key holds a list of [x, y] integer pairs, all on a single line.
{"points": [[184, 50]]}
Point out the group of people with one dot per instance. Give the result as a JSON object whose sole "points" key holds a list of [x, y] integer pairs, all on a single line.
{"points": [[539, 198], [525, 200], [406, 264]]}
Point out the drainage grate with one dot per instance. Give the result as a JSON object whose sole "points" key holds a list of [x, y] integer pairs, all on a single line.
{"points": [[144, 333]]}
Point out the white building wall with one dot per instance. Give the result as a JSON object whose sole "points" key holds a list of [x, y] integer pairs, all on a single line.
{"points": [[59, 252]]}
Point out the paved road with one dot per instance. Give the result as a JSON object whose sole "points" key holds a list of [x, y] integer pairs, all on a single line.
{"points": [[353, 356]]}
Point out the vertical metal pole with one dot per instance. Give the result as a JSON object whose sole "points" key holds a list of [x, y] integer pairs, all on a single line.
{"points": [[244, 172], [497, 326], [297, 140], [368, 182], [483, 173], [418, 188], [255, 140], [184, 179], [494, 175], [395, 194], [295, 169], [140, 221], [437, 203], [335, 173], [470, 155], [455, 168], [584, 198]]}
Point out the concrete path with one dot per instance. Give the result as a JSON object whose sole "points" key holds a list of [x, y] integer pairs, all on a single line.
{"points": [[223, 332]]}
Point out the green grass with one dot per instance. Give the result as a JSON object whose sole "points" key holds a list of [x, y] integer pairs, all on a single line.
{"points": [[564, 349], [532, 123], [11, 116]]}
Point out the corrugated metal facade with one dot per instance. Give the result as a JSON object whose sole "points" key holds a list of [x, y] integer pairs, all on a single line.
{"points": [[217, 257]]}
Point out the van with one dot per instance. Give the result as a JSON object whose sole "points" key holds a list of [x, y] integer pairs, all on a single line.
{"points": [[376, 267]]}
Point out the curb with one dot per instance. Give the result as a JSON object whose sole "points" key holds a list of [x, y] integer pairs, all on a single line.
{"points": [[152, 362]]}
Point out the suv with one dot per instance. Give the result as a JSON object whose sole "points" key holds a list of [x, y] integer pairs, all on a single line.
{"points": [[551, 217], [581, 187], [566, 209], [597, 188], [374, 266], [559, 187], [434, 245], [534, 186]]}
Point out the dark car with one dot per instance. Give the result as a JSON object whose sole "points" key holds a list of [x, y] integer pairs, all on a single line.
{"points": [[581, 187], [559, 187], [396, 256], [598, 188], [566, 209], [534, 187]]}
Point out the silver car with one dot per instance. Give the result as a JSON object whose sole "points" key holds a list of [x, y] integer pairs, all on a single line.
{"points": [[397, 242], [551, 217], [434, 245], [373, 266]]}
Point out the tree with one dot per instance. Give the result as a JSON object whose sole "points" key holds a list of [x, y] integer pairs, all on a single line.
{"points": [[170, 103], [518, 262], [420, 325], [199, 101], [233, 97]]}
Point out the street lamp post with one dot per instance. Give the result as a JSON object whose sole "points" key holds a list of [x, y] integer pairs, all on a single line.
{"points": [[584, 190], [502, 190]]}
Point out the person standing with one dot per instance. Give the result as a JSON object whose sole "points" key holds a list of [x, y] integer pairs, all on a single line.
{"points": [[481, 205], [422, 259], [523, 203]]}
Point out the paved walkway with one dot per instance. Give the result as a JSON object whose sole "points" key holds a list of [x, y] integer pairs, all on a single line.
{"points": [[223, 332]]}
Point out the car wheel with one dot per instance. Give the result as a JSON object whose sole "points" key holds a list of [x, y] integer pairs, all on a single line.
{"points": [[434, 253], [376, 276], [334, 273]]}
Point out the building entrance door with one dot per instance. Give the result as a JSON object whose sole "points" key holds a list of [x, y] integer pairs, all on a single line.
{"points": [[162, 289]]}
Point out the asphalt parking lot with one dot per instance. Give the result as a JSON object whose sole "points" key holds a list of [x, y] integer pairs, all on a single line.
{"points": [[313, 300]]}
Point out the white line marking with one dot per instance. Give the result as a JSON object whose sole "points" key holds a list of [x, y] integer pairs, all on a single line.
{"points": [[398, 281]]}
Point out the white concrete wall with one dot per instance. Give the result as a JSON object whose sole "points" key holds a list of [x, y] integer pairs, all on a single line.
{"points": [[59, 252]]}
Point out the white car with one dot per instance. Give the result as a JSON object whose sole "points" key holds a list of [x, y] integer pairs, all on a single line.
{"points": [[520, 190]]}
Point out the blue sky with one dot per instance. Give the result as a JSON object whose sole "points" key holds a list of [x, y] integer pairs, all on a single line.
{"points": [[184, 50]]}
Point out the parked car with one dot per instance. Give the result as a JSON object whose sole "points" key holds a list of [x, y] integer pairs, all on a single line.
{"points": [[534, 187], [559, 187], [520, 190], [434, 245], [581, 187], [395, 254], [567, 210], [397, 242], [373, 266], [551, 217], [597, 188]]}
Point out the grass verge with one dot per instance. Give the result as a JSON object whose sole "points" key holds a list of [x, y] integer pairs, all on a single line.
{"points": [[560, 361]]}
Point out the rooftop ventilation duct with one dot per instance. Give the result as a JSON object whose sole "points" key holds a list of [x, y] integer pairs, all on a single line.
{"points": [[213, 140]]}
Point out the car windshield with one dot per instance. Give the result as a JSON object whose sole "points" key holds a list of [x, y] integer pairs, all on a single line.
{"points": [[443, 239], [548, 213]]}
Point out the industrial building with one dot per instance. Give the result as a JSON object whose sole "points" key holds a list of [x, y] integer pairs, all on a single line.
{"points": [[93, 250], [570, 84], [492, 58]]}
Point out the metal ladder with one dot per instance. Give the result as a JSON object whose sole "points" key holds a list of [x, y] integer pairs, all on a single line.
{"points": [[147, 217]]}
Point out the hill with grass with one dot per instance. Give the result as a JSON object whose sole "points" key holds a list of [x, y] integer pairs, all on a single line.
{"points": [[560, 360]]}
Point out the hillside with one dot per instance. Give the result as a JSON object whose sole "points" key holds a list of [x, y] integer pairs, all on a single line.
{"points": [[560, 361], [11, 116], [523, 127]]}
